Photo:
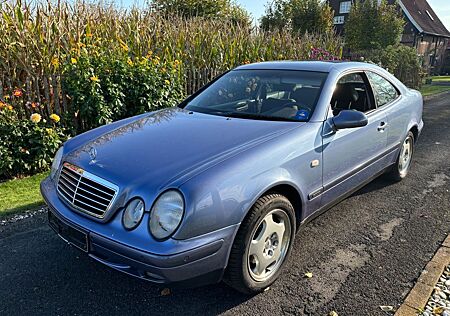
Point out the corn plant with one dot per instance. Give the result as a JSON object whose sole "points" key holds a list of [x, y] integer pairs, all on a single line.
{"points": [[36, 36], [39, 38]]}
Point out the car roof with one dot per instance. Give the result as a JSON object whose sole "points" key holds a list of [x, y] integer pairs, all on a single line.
{"points": [[321, 66]]}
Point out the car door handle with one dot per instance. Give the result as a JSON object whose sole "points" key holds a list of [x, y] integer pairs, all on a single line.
{"points": [[382, 126]]}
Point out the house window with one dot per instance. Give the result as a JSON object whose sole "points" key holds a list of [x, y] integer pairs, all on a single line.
{"points": [[339, 19], [344, 7]]}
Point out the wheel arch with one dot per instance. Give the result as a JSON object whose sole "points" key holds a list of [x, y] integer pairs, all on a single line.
{"points": [[287, 189], [415, 130], [290, 191], [293, 195]]}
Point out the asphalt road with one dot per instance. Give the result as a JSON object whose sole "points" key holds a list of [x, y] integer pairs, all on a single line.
{"points": [[365, 252]]}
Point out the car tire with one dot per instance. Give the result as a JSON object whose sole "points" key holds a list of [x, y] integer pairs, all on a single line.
{"points": [[403, 164], [266, 234]]}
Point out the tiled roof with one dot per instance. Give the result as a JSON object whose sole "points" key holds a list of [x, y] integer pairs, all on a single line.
{"points": [[422, 16]]}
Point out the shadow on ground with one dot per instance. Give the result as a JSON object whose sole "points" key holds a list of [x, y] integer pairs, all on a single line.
{"points": [[379, 183]]}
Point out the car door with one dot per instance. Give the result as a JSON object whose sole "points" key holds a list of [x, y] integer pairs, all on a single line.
{"points": [[388, 98], [352, 156]]}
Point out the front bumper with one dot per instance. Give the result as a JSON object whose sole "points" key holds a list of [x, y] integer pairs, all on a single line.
{"points": [[197, 261]]}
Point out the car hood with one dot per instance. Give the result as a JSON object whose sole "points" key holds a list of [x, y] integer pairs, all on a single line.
{"points": [[167, 147]]}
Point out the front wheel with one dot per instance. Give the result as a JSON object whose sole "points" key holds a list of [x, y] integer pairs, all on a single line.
{"points": [[401, 167], [262, 245]]}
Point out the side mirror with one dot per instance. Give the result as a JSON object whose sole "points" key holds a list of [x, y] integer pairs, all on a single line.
{"points": [[349, 119]]}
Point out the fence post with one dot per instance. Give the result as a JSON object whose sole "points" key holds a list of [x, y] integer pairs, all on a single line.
{"points": [[65, 108], [55, 89], [29, 94], [47, 95], [38, 95], [9, 83], [1, 85]]}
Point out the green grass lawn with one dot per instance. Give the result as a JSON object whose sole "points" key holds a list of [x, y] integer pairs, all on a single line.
{"points": [[441, 78], [20, 194], [430, 89]]}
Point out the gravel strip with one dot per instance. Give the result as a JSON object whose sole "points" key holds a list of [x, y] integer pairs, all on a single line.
{"points": [[439, 302], [21, 216]]}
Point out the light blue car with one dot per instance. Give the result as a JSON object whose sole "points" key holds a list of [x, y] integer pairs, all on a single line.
{"points": [[216, 188]]}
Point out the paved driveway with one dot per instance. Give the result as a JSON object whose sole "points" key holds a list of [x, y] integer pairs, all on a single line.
{"points": [[365, 252]]}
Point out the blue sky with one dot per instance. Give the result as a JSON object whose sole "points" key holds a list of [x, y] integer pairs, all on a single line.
{"points": [[257, 8], [442, 9]]}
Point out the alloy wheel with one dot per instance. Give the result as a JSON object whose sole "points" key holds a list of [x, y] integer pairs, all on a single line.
{"points": [[269, 244], [405, 155]]}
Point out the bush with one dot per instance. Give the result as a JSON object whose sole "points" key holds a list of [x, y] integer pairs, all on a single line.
{"points": [[106, 86], [27, 146], [400, 60]]}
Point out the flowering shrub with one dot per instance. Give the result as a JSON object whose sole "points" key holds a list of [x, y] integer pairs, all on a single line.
{"points": [[322, 54], [106, 85], [27, 145]]}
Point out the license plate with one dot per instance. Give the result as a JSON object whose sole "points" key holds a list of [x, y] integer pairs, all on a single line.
{"points": [[68, 233]]}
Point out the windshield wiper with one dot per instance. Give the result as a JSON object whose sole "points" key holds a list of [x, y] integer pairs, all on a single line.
{"points": [[257, 116]]}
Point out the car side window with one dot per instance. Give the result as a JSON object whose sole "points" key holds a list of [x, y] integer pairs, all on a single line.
{"points": [[384, 91], [352, 92]]}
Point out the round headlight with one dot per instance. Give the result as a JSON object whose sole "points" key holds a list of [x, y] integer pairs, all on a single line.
{"points": [[166, 214], [133, 214], [56, 163]]}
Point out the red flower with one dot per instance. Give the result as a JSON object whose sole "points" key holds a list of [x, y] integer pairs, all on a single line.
{"points": [[17, 93]]}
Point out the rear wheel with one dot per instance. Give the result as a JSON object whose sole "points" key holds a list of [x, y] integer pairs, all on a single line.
{"points": [[262, 245], [401, 167]]}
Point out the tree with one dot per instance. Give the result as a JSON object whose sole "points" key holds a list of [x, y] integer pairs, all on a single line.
{"points": [[373, 26], [302, 16], [203, 8]]}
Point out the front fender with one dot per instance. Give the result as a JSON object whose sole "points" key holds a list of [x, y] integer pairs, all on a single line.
{"points": [[226, 202], [300, 213], [221, 196]]}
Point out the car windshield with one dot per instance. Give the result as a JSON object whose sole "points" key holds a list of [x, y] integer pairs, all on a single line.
{"points": [[261, 94]]}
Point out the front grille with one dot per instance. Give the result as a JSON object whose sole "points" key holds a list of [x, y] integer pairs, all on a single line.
{"points": [[86, 192]]}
